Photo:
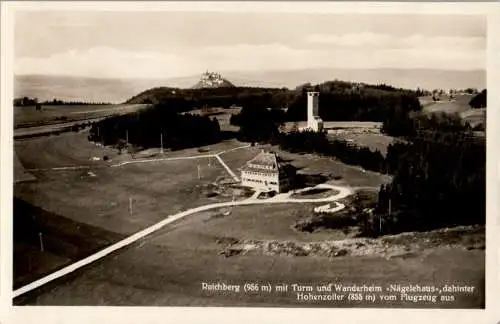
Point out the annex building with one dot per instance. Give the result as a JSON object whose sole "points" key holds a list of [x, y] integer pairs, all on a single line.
{"points": [[268, 172]]}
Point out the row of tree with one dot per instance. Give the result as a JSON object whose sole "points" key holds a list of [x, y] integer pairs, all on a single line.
{"points": [[27, 102], [59, 102]]}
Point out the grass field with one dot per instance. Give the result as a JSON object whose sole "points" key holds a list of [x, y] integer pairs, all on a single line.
{"points": [[62, 150], [28, 116], [364, 134], [63, 241], [168, 267], [457, 105], [20, 173], [349, 175], [100, 197], [475, 116], [223, 116]]}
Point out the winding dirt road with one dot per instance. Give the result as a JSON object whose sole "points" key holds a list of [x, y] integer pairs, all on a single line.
{"points": [[341, 192]]}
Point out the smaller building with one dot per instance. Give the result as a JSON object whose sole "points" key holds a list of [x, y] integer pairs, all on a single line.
{"points": [[268, 172]]}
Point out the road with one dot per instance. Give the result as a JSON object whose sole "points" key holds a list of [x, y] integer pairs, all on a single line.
{"points": [[342, 192], [52, 128]]}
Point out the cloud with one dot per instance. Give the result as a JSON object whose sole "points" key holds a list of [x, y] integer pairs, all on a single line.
{"points": [[369, 39], [452, 53], [108, 62], [359, 39], [444, 42]]}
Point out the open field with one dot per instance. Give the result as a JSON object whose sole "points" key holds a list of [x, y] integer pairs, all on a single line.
{"points": [[457, 105], [475, 116], [372, 138], [63, 241], [167, 267], [29, 117], [20, 174], [312, 164], [339, 124], [352, 176], [223, 116], [100, 196], [363, 134], [460, 106], [95, 195], [67, 149]]}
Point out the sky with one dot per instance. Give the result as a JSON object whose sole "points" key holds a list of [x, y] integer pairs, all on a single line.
{"points": [[176, 44]]}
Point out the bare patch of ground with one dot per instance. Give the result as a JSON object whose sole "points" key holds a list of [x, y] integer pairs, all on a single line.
{"points": [[401, 245]]}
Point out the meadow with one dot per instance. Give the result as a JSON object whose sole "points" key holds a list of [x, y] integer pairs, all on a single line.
{"points": [[29, 117], [167, 268]]}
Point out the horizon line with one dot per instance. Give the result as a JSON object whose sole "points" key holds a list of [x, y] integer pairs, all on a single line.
{"points": [[239, 71]]}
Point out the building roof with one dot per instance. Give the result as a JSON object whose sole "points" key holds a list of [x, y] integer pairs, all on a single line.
{"points": [[267, 162]]}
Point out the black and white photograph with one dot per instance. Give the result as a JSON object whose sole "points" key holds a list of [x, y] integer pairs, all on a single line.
{"points": [[249, 158]]}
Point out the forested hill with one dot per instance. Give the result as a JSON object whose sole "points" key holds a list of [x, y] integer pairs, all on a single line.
{"points": [[199, 97], [339, 100]]}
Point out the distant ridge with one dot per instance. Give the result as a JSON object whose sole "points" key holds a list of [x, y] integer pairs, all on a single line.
{"points": [[45, 87], [212, 80]]}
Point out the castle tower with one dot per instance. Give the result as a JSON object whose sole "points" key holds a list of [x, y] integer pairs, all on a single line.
{"points": [[314, 122]]}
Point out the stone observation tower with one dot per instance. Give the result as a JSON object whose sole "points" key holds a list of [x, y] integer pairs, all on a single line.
{"points": [[314, 122]]}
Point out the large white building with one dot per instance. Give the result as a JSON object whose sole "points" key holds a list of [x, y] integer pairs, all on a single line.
{"points": [[268, 172], [314, 122]]}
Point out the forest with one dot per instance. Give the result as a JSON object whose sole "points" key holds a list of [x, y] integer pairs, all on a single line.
{"points": [[438, 180], [479, 100], [339, 100], [156, 126]]}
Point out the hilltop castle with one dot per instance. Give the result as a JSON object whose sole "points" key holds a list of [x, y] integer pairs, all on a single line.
{"points": [[212, 80]]}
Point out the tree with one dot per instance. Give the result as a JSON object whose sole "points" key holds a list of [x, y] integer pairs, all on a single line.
{"points": [[479, 101]]}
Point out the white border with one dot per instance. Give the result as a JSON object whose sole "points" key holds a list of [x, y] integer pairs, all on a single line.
{"points": [[28, 314]]}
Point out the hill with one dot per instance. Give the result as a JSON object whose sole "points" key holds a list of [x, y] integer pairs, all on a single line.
{"points": [[212, 97], [45, 87], [155, 95]]}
